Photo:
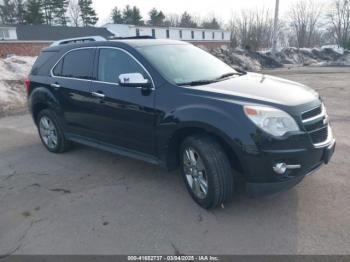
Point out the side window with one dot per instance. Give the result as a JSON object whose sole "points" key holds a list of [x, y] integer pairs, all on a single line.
{"points": [[114, 62], [76, 64]]}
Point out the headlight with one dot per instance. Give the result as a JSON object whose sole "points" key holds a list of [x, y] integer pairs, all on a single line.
{"points": [[272, 120]]}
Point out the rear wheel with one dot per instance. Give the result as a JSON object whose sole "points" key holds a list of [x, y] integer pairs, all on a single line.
{"points": [[51, 133], [206, 171]]}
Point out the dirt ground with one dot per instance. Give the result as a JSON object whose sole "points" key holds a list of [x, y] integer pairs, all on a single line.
{"points": [[92, 202]]}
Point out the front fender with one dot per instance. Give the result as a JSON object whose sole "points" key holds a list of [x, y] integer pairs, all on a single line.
{"points": [[226, 123]]}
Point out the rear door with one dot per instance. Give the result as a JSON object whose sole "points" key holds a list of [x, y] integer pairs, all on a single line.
{"points": [[124, 116], [72, 80]]}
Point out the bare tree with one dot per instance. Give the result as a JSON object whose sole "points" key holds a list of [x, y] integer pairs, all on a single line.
{"points": [[74, 12], [172, 20], [305, 18], [252, 29], [339, 17]]}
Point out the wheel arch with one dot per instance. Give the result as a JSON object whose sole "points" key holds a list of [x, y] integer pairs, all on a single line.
{"points": [[175, 141], [41, 98]]}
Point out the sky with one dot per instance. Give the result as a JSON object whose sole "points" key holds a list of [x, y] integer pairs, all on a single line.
{"points": [[224, 9]]}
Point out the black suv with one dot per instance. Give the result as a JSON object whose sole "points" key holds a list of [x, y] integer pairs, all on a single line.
{"points": [[173, 104]]}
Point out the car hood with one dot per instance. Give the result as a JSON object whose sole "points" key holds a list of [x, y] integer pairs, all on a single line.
{"points": [[263, 88]]}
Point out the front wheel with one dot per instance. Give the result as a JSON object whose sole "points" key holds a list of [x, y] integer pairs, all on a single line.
{"points": [[206, 171]]}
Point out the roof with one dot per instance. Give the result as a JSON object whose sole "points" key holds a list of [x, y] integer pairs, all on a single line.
{"points": [[7, 26], [150, 42], [169, 27], [53, 33]]}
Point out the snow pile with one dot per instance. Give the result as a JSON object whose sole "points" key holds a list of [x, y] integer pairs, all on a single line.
{"points": [[13, 71], [313, 57], [245, 60], [256, 61]]}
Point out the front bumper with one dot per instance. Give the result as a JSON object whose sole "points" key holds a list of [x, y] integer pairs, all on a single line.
{"points": [[311, 160]]}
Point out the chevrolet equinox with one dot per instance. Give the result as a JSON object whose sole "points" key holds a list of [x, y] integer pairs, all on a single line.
{"points": [[170, 103]]}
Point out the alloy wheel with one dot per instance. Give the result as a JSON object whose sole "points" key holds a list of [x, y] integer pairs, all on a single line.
{"points": [[48, 132], [195, 172]]}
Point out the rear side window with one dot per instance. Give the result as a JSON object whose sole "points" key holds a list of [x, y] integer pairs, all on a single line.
{"points": [[114, 62], [41, 63], [76, 64]]}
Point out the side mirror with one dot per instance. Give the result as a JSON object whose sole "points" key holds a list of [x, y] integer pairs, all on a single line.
{"points": [[134, 80]]}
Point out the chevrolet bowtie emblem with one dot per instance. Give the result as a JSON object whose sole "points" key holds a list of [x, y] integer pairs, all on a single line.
{"points": [[325, 120]]}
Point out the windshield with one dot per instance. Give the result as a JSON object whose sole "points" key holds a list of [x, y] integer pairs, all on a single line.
{"points": [[186, 64]]}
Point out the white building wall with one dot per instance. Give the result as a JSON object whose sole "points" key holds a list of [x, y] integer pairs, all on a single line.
{"points": [[197, 35], [13, 34], [120, 30], [161, 33], [186, 34], [8, 33], [175, 34], [208, 35]]}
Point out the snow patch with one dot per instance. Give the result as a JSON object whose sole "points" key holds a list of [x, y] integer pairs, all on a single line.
{"points": [[13, 71]]}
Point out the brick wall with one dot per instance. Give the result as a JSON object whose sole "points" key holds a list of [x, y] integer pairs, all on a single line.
{"points": [[33, 48], [210, 44], [21, 48]]}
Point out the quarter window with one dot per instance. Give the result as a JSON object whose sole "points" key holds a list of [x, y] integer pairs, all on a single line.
{"points": [[76, 64], [114, 62]]}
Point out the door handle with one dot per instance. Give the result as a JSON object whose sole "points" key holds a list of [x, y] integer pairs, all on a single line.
{"points": [[99, 95], [56, 86]]}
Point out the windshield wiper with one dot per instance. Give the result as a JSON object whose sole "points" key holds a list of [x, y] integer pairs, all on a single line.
{"points": [[228, 75], [197, 83], [207, 82]]}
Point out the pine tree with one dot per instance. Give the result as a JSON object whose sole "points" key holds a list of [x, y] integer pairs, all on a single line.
{"points": [[48, 7], [132, 16], [34, 13], [20, 11], [117, 16], [88, 14], [59, 12], [211, 24], [187, 21], [156, 18], [8, 12]]}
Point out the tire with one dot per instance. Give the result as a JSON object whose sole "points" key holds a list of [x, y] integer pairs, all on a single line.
{"points": [[49, 127], [217, 171]]}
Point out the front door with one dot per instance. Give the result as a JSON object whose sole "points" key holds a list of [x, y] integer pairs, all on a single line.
{"points": [[124, 116]]}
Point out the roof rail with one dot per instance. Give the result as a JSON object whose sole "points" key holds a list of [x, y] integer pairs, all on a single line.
{"points": [[78, 40]]}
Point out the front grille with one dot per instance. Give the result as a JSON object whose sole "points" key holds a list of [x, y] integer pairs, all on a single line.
{"points": [[319, 135], [316, 124], [311, 113]]}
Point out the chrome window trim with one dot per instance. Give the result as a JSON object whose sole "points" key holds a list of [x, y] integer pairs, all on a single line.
{"points": [[97, 81], [59, 60]]}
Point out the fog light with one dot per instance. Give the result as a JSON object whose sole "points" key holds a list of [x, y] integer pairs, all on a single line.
{"points": [[281, 168]]}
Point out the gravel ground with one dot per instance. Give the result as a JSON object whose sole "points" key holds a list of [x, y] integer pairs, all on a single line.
{"points": [[92, 202]]}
